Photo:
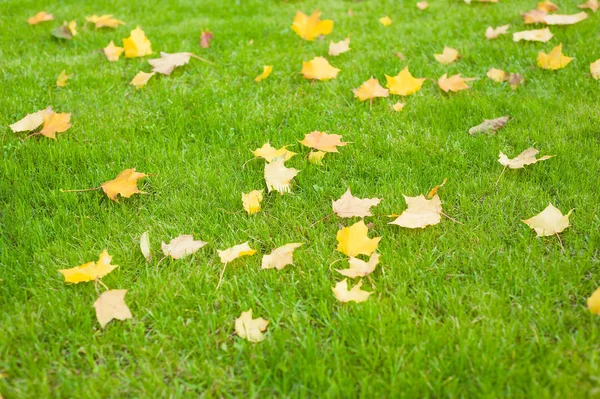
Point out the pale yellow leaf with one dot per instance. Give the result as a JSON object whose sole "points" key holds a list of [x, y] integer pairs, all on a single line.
{"points": [[110, 306], [527, 157], [549, 222], [249, 328], [360, 268], [421, 212], [280, 257], [182, 246], [278, 177], [251, 201], [350, 206], [355, 294], [237, 251]]}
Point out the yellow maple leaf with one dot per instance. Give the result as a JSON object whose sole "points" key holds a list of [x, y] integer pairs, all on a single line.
{"points": [[61, 81], [113, 52], [316, 157], [267, 69], [369, 90], [319, 69], [354, 240], [422, 5], [111, 305], [251, 201], [249, 328], [554, 59], [590, 4], [89, 271], [169, 61], [322, 141], [404, 83], [494, 33], [547, 6], [593, 302], [349, 206], [104, 21], [41, 16], [497, 75], [340, 47], [549, 222], [182, 246], [421, 212], [398, 106], [31, 121], [309, 28], [385, 21], [454, 83], [55, 123], [125, 184], [237, 251], [137, 44], [595, 69], [527, 157], [268, 152], [360, 268], [448, 56], [534, 16], [355, 294], [278, 177], [141, 79], [280, 257]]}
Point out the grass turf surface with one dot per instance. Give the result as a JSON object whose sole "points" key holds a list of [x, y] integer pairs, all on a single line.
{"points": [[481, 309]]}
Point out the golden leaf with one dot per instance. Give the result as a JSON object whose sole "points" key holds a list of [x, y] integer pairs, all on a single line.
{"points": [[322, 141], [370, 90], [267, 69], [404, 83], [104, 21], [113, 52], [280, 257], [421, 212], [454, 83], [448, 56], [55, 123], [41, 16], [353, 240], [251, 201], [125, 184], [111, 305], [342, 293], [249, 328], [318, 69], [237, 251], [137, 44], [141, 79], [89, 271], [268, 153], [309, 28], [554, 59]]}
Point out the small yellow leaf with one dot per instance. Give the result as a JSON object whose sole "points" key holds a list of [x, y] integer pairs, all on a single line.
{"points": [[360, 268], [104, 21], [590, 4], [72, 26], [31, 121], [249, 328], [61, 81], [422, 5], [554, 59], [494, 33], [268, 153], [404, 83], [342, 293], [141, 79], [182, 246], [113, 52], [536, 35], [354, 240], [398, 106], [448, 56], [349, 206], [309, 28], [595, 69], [278, 177], [41, 16], [318, 69], [55, 123], [111, 305], [385, 21], [549, 222], [137, 44], [145, 246], [237, 251], [497, 75], [316, 157], [340, 47], [280, 257], [125, 184], [421, 212], [369, 90], [251, 201], [593, 302], [527, 157], [89, 271], [454, 83], [267, 69], [547, 6], [534, 16], [322, 141]]}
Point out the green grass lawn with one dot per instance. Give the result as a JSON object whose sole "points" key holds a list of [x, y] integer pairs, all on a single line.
{"points": [[478, 309]]}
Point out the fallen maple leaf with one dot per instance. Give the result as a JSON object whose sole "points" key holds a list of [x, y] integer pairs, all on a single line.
{"points": [[421, 212], [125, 184], [251, 201], [316, 157], [280, 257], [594, 69], [31, 121], [322, 141], [66, 31], [549, 222], [354, 240], [454, 83], [278, 177], [398, 106], [141, 79], [309, 28], [535, 35], [89, 271], [369, 90], [104, 21], [41, 16], [237, 251], [448, 56], [554, 59], [422, 5], [113, 52], [593, 302], [167, 62], [360, 268], [385, 21], [494, 33], [349, 206], [145, 246], [319, 69], [497, 75], [527, 157], [249, 328], [342, 293], [137, 44], [205, 38], [515, 79], [590, 4], [489, 126], [547, 6], [55, 123], [182, 246], [404, 83], [61, 81], [111, 305], [267, 69], [557, 19], [268, 153], [534, 16], [340, 47]]}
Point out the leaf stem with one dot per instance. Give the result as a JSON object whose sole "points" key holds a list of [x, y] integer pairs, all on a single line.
{"points": [[325, 218], [160, 261], [79, 190], [560, 242], [202, 59], [221, 276], [451, 218], [503, 170]]}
